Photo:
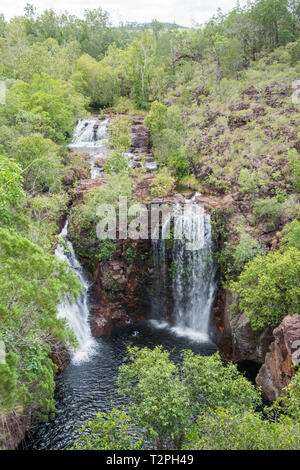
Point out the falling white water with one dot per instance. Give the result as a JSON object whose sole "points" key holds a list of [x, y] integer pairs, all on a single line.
{"points": [[90, 137], [77, 313], [192, 272]]}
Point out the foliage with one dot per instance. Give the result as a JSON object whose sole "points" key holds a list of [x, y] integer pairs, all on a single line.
{"points": [[249, 182], [288, 403], [42, 166], [234, 256], [106, 248], [83, 217], [268, 210], [97, 82], [166, 397], [114, 430], [269, 288], [223, 430], [294, 161], [53, 104], [32, 285], [292, 237], [119, 140], [166, 127], [162, 184], [11, 191]]}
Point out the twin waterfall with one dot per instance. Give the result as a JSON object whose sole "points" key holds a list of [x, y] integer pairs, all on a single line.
{"points": [[184, 279]]}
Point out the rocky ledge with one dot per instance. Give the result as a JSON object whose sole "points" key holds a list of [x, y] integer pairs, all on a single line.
{"points": [[284, 353]]}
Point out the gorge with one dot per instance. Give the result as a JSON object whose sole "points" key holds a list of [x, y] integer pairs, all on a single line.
{"points": [[88, 384]]}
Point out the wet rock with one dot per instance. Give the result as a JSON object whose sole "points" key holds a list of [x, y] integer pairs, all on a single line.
{"points": [[106, 318], [277, 370]]}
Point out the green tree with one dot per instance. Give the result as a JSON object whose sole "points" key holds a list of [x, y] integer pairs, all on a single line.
{"points": [[292, 237], [42, 166], [52, 102], [32, 285], [97, 82], [11, 191], [269, 288], [165, 398], [224, 430]]}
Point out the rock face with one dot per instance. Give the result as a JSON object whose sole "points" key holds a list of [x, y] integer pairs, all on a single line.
{"points": [[120, 287], [277, 371], [235, 337], [60, 356], [13, 428], [249, 345], [140, 137]]}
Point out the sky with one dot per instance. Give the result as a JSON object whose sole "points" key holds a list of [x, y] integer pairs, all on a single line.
{"points": [[183, 12]]}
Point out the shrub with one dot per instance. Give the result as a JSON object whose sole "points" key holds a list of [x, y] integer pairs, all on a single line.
{"points": [[249, 182], [179, 162], [292, 238], [294, 161], [42, 166], [11, 191], [268, 211], [223, 430], [269, 288], [162, 184], [234, 256]]}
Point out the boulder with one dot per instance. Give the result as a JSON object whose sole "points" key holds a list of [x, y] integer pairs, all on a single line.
{"points": [[106, 318]]}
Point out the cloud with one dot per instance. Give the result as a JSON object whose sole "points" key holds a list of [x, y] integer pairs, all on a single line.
{"points": [[182, 12]]}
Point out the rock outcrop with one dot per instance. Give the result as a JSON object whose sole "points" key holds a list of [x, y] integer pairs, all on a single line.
{"points": [[60, 356], [235, 337], [277, 371]]}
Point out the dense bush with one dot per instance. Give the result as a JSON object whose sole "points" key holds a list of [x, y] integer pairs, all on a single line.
{"points": [[11, 191], [234, 256], [42, 166], [223, 430], [52, 105], [32, 284], [292, 237], [269, 288], [162, 184]]}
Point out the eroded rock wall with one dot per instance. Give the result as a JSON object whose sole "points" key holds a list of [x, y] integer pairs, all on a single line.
{"points": [[284, 353]]}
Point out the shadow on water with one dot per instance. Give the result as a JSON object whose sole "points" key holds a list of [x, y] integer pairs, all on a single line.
{"points": [[88, 387]]}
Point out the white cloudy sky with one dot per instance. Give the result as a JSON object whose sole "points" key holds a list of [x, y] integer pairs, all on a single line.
{"points": [[183, 12]]}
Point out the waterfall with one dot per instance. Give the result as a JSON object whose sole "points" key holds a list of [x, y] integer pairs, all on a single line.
{"points": [[77, 313], [90, 137], [191, 282]]}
